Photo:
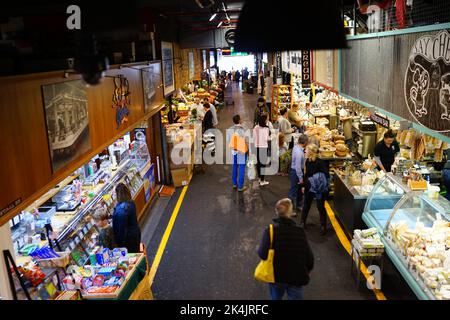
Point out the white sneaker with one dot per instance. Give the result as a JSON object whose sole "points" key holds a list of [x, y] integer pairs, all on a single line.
{"points": [[263, 183]]}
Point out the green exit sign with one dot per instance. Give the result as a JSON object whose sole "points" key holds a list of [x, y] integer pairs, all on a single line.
{"points": [[233, 53]]}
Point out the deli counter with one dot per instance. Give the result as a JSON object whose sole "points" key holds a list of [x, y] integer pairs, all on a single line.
{"points": [[415, 229]]}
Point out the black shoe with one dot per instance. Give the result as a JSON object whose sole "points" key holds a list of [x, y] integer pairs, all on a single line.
{"points": [[323, 230]]}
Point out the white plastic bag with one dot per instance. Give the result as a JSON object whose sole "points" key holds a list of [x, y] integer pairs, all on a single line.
{"points": [[251, 170]]}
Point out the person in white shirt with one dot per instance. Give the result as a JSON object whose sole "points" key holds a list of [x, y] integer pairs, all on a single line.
{"points": [[213, 111], [261, 138], [199, 107], [285, 127], [296, 172]]}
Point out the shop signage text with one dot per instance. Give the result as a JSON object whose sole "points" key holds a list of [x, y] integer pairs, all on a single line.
{"points": [[306, 68], [10, 206], [427, 81], [382, 121], [278, 65]]}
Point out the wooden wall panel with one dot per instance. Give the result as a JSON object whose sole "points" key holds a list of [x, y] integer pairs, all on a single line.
{"points": [[25, 164]]}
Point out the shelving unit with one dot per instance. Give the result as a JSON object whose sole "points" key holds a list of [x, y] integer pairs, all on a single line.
{"points": [[282, 96]]}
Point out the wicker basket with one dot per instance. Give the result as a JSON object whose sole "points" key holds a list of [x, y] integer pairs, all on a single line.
{"points": [[60, 262], [327, 153], [341, 153]]}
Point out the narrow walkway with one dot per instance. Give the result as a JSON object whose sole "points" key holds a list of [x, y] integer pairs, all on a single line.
{"points": [[212, 250]]}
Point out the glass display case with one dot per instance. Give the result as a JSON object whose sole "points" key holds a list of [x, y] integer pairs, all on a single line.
{"points": [[415, 228]]}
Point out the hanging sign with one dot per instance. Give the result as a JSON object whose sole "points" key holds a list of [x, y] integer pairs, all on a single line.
{"points": [[378, 119], [278, 65], [427, 81], [306, 68]]}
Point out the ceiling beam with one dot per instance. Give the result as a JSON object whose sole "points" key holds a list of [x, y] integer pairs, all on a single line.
{"points": [[197, 13]]}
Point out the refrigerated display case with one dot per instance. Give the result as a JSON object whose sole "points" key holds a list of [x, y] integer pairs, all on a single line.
{"points": [[415, 229]]}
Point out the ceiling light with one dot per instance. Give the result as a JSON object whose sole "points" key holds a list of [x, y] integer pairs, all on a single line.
{"points": [[220, 24], [213, 16]]}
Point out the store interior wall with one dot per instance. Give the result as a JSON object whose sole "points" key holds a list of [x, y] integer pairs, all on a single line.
{"points": [[26, 164]]}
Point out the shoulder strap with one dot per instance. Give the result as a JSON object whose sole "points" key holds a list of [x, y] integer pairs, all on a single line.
{"points": [[271, 235]]}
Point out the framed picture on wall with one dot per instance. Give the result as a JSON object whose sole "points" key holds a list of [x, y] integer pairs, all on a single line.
{"points": [[152, 85], [66, 115], [168, 73]]}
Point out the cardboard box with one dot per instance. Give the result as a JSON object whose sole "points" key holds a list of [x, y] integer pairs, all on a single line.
{"points": [[181, 177]]}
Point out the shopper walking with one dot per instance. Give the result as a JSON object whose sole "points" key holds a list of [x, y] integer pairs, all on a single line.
{"points": [[261, 138], [296, 172], [293, 258], [386, 150], [236, 140], [238, 76], [315, 178], [207, 122], [260, 109], [285, 127], [125, 224]]}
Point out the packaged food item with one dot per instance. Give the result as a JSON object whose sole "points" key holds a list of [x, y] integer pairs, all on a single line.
{"points": [[98, 280]]}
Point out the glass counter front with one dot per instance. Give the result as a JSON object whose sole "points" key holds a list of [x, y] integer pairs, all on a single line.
{"points": [[415, 229]]}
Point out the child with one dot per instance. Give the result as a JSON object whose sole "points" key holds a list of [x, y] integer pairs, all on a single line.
{"points": [[106, 233]]}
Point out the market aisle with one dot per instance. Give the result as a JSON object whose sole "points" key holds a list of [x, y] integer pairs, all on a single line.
{"points": [[211, 252]]}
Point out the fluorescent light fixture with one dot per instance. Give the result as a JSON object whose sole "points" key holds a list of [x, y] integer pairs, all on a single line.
{"points": [[220, 24], [228, 17], [213, 16]]}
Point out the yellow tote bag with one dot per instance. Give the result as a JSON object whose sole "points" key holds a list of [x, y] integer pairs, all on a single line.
{"points": [[238, 143], [264, 270]]}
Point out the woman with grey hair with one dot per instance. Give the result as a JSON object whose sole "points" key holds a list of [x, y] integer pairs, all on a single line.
{"points": [[293, 259]]}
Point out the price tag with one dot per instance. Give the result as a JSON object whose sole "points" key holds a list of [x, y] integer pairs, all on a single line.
{"points": [[85, 229], [72, 245]]}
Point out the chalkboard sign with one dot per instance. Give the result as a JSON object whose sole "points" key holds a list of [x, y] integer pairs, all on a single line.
{"points": [[378, 119]]}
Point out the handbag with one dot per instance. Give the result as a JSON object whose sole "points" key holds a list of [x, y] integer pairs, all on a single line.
{"points": [[238, 144], [264, 271], [251, 170]]}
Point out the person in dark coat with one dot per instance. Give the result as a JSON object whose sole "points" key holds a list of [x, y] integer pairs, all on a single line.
{"points": [[314, 165], [293, 258], [238, 76], [127, 233], [208, 118]]}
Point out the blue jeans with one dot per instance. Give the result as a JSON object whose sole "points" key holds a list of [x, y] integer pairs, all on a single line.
{"points": [[277, 291], [239, 161], [294, 191], [446, 176]]}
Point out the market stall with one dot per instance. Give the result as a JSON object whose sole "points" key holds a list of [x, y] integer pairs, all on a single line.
{"points": [[56, 241]]}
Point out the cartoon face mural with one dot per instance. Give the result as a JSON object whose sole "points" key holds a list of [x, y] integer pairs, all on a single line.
{"points": [[427, 81]]}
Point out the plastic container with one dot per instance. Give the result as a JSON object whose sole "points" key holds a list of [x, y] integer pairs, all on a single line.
{"points": [[60, 262], [433, 192]]}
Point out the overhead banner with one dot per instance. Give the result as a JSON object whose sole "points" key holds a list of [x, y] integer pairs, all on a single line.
{"points": [[306, 68], [407, 75]]}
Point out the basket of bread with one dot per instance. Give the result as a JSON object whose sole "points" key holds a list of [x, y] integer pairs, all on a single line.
{"points": [[341, 150], [327, 151]]}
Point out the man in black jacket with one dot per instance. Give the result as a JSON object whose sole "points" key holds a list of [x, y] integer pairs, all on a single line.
{"points": [[293, 259], [208, 118]]}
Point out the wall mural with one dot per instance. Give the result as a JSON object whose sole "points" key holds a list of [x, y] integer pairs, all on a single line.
{"points": [[66, 114], [121, 99], [427, 81]]}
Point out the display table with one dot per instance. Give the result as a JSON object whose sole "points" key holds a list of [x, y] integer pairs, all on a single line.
{"points": [[348, 205], [128, 286]]}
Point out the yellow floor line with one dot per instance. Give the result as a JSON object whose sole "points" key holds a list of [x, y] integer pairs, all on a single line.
{"points": [[165, 238], [347, 246]]}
